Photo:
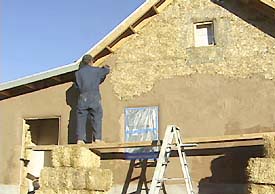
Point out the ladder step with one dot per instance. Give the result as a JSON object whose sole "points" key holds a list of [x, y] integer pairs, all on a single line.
{"points": [[182, 145], [189, 145], [171, 179], [171, 140]]}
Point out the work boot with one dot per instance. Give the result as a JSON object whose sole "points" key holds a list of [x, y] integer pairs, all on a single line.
{"points": [[80, 142]]}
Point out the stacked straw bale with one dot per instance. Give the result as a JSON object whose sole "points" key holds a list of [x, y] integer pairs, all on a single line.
{"points": [[76, 170], [25, 156], [261, 189], [65, 191], [269, 146], [76, 157], [261, 171]]}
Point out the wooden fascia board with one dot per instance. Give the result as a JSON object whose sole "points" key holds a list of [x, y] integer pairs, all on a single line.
{"points": [[30, 86], [5, 93], [122, 27], [95, 50], [56, 78]]}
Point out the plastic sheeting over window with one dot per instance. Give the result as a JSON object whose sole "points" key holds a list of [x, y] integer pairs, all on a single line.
{"points": [[141, 124]]}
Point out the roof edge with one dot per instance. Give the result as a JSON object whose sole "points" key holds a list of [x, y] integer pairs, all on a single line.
{"points": [[39, 76], [97, 48]]}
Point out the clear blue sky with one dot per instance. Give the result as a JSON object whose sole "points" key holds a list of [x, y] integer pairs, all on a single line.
{"points": [[40, 35]]}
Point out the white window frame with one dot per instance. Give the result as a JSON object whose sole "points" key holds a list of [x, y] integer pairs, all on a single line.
{"points": [[197, 43]]}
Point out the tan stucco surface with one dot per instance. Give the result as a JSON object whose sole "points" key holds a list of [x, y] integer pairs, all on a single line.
{"points": [[202, 105], [40, 104]]}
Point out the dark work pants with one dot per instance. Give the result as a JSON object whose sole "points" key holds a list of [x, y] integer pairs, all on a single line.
{"points": [[89, 106]]}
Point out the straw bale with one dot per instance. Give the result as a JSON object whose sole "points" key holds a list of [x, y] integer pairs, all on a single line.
{"points": [[77, 157], [66, 191], [84, 158], [261, 170], [28, 138], [61, 156], [54, 177], [23, 189], [24, 186], [85, 192], [63, 178], [76, 178], [45, 191], [261, 189], [269, 146], [47, 175], [99, 180], [97, 192], [28, 142], [79, 179]]}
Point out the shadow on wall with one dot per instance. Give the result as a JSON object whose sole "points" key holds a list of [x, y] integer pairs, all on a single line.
{"points": [[142, 184], [229, 171], [253, 12], [71, 100]]}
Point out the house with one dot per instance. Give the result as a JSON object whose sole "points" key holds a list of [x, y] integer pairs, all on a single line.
{"points": [[207, 65]]}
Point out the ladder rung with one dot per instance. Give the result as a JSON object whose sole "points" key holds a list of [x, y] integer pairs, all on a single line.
{"points": [[171, 179], [171, 140], [182, 145], [165, 163], [189, 145]]}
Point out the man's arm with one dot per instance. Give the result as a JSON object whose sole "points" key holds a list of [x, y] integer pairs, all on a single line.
{"points": [[105, 70], [76, 81]]}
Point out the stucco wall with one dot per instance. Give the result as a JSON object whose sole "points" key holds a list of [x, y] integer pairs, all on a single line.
{"points": [[40, 104], [245, 46]]}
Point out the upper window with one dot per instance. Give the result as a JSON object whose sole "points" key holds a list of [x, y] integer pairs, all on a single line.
{"points": [[204, 34]]}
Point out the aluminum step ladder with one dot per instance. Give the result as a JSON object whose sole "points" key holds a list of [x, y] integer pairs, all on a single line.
{"points": [[171, 139]]}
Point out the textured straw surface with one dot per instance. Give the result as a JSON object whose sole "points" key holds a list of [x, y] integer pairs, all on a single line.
{"points": [[261, 189], [269, 146], [77, 157], [66, 191], [78, 179], [261, 170]]}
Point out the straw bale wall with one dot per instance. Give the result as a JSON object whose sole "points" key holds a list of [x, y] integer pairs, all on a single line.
{"points": [[65, 191], [26, 154], [164, 48], [76, 157], [76, 178], [79, 174], [261, 189], [261, 171], [269, 146]]}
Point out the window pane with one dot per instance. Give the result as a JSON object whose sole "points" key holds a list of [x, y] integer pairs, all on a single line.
{"points": [[204, 34], [141, 124]]}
